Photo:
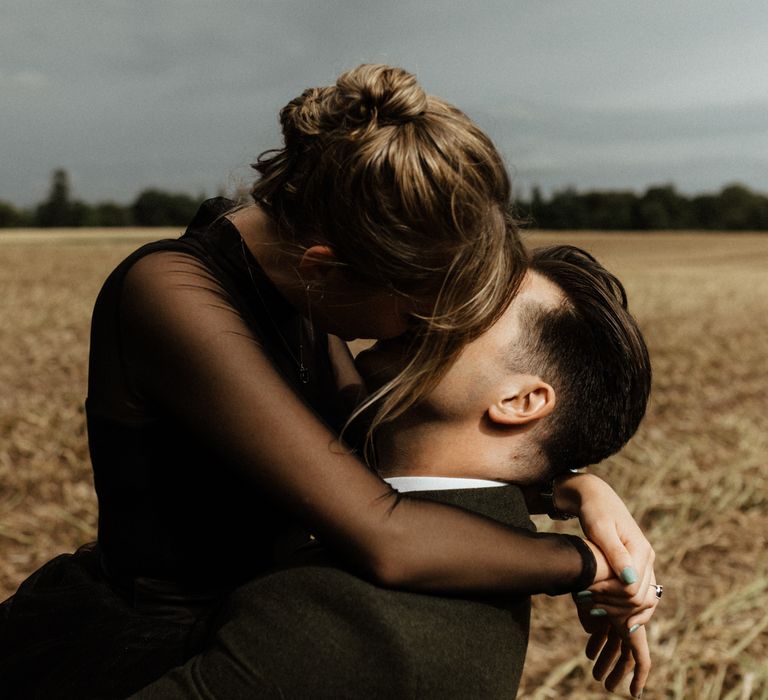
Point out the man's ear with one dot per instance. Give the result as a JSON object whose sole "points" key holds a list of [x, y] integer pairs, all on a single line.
{"points": [[525, 399], [317, 263]]}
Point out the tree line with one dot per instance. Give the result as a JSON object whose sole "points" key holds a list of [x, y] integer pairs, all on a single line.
{"points": [[734, 208], [152, 207]]}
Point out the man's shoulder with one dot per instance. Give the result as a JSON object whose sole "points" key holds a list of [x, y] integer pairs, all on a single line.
{"points": [[320, 578], [503, 503], [409, 644], [399, 643]]}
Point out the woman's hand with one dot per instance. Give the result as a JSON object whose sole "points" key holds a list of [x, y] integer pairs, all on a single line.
{"points": [[618, 642], [610, 596], [607, 523]]}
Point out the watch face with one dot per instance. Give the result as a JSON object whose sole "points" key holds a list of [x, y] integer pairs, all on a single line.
{"points": [[548, 494]]}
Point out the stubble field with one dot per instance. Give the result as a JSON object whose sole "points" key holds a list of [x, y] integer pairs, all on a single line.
{"points": [[696, 475]]}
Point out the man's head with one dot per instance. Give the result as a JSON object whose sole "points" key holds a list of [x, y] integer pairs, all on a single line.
{"points": [[592, 352], [560, 381]]}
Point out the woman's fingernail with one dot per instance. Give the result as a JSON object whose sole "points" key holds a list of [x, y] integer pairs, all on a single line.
{"points": [[584, 594], [598, 612], [640, 694], [628, 574], [634, 628]]}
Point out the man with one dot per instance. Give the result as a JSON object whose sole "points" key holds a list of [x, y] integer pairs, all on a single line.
{"points": [[559, 382]]}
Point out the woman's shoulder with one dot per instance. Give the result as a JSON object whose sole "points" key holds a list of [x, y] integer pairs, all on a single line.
{"points": [[192, 243], [156, 265], [210, 212]]}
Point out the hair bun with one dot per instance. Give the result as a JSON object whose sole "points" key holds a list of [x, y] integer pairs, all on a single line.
{"points": [[369, 94], [306, 115], [376, 92]]}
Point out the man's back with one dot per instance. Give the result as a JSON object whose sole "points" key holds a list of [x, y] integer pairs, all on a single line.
{"points": [[317, 631]]}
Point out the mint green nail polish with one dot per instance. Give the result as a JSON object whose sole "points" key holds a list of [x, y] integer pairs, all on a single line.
{"points": [[584, 594], [628, 574], [634, 628], [598, 612]]}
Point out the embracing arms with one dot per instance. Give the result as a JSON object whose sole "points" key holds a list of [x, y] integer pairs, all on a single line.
{"points": [[191, 353]]}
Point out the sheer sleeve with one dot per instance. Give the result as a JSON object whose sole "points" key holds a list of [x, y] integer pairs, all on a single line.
{"points": [[187, 349]]}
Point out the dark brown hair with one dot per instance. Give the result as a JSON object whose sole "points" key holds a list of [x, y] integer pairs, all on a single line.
{"points": [[592, 352]]}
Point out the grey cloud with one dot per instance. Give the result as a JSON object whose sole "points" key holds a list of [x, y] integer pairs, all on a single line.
{"points": [[568, 122], [183, 94]]}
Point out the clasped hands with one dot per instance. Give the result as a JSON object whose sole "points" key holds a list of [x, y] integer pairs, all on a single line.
{"points": [[622, 599]]}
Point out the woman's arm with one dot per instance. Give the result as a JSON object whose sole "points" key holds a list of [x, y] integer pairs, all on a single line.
{"points": [[607, 523], [348, 380], [189, 352], [617, 643]]}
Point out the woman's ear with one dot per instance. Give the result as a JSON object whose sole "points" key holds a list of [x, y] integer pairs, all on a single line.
{"points": [[526, 398], [317, 263]]}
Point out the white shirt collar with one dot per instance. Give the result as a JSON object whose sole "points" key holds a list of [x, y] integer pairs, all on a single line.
{"points": [[403, 484]]}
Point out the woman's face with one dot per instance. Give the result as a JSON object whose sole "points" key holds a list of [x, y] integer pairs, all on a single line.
{"points": [[356, 311], [342, 304], [355, 314], [383, 361]]}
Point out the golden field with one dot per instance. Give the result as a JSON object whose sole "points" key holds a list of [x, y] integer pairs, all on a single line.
{"points": [[696, 475]]}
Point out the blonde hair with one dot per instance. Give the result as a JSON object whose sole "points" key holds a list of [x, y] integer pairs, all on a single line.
{"points": [[412, 197]]}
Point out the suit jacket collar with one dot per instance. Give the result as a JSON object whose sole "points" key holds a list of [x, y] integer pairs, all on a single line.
{"points": [[505, 504]]}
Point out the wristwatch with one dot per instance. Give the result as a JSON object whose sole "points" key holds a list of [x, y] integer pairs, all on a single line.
{"points": [[547, 495]]}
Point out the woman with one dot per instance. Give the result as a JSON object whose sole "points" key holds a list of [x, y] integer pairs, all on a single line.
{"points": [[212, 410]]}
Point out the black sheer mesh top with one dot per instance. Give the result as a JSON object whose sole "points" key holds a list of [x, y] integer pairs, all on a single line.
{"points": [[172, 505], [207, 446]]}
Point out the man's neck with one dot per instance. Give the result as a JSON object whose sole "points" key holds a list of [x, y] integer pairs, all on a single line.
{"points": [[416, 446], [439, 448]]}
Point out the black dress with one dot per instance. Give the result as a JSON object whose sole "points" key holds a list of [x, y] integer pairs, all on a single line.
{"points": [[178, 523], [199, 422], [174, 505]]}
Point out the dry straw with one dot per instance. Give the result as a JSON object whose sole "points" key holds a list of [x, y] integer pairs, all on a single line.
{"points": [[696, 476]]}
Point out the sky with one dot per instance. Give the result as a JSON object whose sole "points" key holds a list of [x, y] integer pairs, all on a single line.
{"points": [[184, 94]]}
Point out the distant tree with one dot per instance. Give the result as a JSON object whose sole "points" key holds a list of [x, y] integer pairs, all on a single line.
{"points": [[566, 209], [610, 210], [11, 217], [663, 208], [82, 214], [705, 211], [537, 201], [111, 214], [652, 214], [57, 209], [740, 209], [530, 212], [157, 208]]}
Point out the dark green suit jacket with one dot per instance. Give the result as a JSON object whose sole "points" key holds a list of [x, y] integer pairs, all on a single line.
{"points": [[317, 631]]}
